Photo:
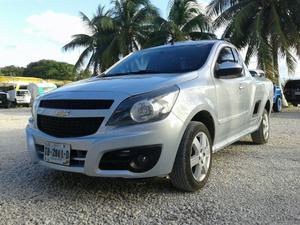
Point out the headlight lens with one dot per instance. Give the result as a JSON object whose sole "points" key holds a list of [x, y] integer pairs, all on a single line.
{"points": [[144, 108]]}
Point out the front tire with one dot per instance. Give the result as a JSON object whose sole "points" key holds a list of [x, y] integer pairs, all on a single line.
{"points": [[194, 158], [261, 136]]}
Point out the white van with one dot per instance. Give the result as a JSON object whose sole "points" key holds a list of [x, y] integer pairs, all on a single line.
{"points": [[19, 96]]}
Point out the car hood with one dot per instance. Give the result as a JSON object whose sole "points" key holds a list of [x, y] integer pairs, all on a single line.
{"points": [[130, 85]]}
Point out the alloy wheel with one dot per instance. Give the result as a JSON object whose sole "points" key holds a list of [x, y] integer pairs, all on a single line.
{"points": [[200, 156]]}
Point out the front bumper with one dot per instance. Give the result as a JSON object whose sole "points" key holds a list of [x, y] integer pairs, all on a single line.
{"points": [[167, 133], [22, 100]]}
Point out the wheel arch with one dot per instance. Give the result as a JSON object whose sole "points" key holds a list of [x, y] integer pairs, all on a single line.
{"points": [[207, 119], [268, 106]]}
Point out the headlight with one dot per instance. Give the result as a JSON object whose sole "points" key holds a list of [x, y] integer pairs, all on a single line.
{"points": [[148, 107]]}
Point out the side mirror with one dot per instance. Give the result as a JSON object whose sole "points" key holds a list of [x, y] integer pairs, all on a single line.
{"points": [[226, 69]]}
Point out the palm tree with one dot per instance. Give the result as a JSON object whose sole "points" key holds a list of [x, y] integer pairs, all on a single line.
{"points": [[95, 43], [133, 21], [186, 21], [268, 28], [114, 33]]}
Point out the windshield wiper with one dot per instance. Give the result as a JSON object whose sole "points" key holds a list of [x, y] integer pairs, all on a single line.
{"points": [[133, 72]]}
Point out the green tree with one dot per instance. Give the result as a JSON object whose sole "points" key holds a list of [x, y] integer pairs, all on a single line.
{"points": [[50, 69], [11, 71], [187, 21], [133, 21], [96, 43], [268, 28], [113, 33]]}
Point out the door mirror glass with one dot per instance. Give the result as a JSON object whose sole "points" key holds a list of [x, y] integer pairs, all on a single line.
{"points": [[229, 70]]}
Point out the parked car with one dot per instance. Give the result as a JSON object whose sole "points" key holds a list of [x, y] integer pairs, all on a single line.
{"points": [[3, 99], [292, 92], [19, 96], [161, 111], [277, 97]]}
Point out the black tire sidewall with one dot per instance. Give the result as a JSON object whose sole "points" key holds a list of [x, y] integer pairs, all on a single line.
{"points": [[278, 107], [265, 140], [186, 146]]}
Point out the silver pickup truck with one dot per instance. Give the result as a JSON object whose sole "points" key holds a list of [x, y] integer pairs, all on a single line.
{"points": [[161, 111]]}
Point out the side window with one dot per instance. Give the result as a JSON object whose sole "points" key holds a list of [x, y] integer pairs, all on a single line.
{"points": [[253, 73], [226, 55], [238, 57], [231, 56], [239, 60]]}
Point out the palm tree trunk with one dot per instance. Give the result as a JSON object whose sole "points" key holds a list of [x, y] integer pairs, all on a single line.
{"points": [[277, 75]]}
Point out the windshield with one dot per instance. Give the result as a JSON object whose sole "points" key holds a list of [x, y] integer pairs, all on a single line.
{"points": [[23, 87], [173, 59]]}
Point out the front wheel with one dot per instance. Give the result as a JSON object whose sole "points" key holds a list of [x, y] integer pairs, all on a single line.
{"points": [[194, 158], [261, 136]]}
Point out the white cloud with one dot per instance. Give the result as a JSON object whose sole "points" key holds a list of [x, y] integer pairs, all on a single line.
{"points": [[42, 38], [53, 26]]}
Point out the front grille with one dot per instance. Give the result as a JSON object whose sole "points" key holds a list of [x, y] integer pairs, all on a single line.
{"points": [[68, 127], [3, 97], [77, 156], [76, 104]]}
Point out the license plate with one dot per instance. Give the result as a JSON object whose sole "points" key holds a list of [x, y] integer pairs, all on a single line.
{"points": [[57, 153], [297, 93], [0, 101]]}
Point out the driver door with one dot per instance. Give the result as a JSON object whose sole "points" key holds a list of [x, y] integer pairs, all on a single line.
{"points": [[229, 105]]}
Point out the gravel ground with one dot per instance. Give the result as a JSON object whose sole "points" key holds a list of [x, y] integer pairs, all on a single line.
{"points": [[249, 184]]}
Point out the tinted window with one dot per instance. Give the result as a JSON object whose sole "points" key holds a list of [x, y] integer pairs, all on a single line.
{"points": [[226, 55], [173, 59], [238, 57], [239, 60], [253, 73]]}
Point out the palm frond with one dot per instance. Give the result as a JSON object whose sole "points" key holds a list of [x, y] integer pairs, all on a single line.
{"points": [[79, 40]]}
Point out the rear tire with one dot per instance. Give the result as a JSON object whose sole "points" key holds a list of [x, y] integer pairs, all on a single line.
{"points": [[277, 105], [261, 136], [193, 161]]}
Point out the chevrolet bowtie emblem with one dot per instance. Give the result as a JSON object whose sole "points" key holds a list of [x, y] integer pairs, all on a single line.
{"points": [[62, 113]]}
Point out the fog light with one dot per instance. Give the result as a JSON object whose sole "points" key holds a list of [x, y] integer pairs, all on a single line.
{"points": [[142, 159], [136, 159], [140, 162]]}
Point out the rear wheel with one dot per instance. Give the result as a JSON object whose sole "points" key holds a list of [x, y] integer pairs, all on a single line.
{"points": [[261, 136], [295, 104], [277, 105], [194, 158]]}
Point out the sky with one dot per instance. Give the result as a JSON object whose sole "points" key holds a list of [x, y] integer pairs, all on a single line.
{"points": [[32, 30]]}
